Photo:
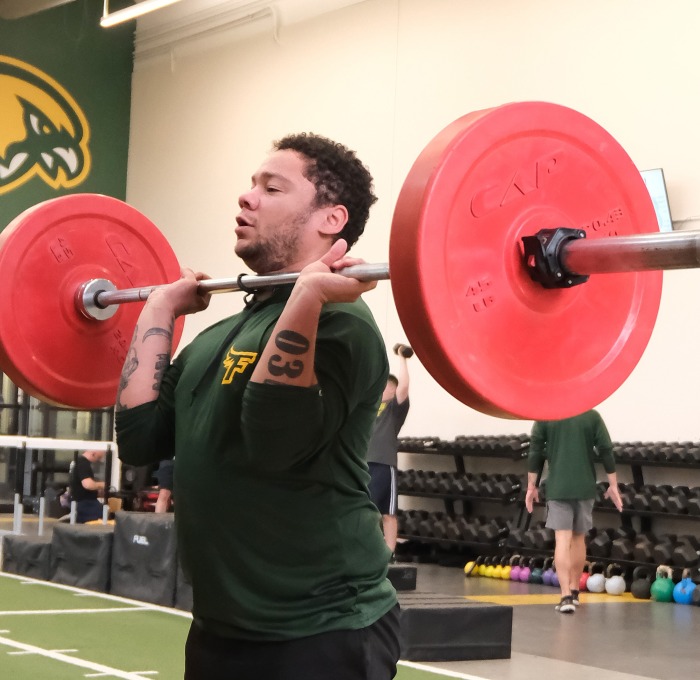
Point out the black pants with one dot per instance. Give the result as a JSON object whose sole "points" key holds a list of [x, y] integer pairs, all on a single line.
{"points": [[88, 510], [367, 654]]}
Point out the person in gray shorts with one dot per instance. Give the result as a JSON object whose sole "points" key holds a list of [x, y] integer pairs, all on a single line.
{"points": [[571, 447]]}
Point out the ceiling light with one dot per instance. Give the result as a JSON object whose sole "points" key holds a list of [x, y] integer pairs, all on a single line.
{"points": [[132, 12]]}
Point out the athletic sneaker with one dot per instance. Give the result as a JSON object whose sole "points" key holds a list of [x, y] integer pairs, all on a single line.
{"points": [[574, 598], [566, 605]]}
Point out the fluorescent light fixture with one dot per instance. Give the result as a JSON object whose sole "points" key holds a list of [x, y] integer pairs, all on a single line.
{"points": [[131, 12]]}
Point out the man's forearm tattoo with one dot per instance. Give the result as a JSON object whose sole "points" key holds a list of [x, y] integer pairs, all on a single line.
{"points": [[162, 362], [131, 363], [165, 332], [292, 343]]}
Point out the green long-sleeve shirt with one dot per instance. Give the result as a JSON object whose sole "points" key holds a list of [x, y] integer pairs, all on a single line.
{"points": [[571, 448], [276, 530]]}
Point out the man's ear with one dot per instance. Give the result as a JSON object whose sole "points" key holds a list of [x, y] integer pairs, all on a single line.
{"points": [[335, 219]]}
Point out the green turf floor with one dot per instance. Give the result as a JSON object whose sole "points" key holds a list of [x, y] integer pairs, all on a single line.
{"points": [[51, 632]]}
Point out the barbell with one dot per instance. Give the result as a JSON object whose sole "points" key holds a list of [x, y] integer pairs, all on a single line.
{"points": [[497, 229]]}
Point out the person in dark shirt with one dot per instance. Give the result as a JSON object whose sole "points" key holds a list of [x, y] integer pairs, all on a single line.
{"points": [[571, 447], [268, 414], [382, 454], [84, 488]]}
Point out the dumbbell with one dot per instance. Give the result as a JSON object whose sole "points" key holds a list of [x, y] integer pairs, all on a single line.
{"points": [[515, 538], [421, 480], [441, 527], [457, 529], [622, 548], [405, 479], [662, 552], [659, 499], [489, 485], [432, 480], [460, 484], [641, 499], [677, 503], [693, 506], [692, 455], [601, 544], [686, 553], [413, 519], [644, 548], [627, 493], [403, 350], [493, 531]]}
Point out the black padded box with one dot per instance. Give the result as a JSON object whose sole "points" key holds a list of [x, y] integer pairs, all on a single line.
{"points": [[449, 628], [403, 576], [81, 555], [144, 559], [27, 555]]}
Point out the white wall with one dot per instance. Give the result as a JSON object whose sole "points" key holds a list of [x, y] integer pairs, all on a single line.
{"points": [[384, 77]]}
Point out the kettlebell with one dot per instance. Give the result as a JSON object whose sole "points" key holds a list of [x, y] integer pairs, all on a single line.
{"points": [[482, 566], [548, 572], [515, 568], [596, 580], [506, 573], [683, 590], [695, 597], [537, 571], [469, 567], [662, 587], [475, 568], [525, 570], [583, 581], [614, 583], [488, 569], [641, 583], [555, 577]]}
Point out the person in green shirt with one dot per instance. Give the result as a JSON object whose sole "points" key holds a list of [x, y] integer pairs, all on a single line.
{"points": [[571, 447], [269, 414]]}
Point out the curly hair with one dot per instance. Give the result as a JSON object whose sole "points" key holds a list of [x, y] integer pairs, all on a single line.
{"points": [[339, 176]]}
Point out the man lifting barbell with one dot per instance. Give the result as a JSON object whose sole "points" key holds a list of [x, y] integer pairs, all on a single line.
{"points": [[269, 413]]}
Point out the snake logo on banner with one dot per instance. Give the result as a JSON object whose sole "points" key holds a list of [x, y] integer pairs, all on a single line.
{"points": [[44, 132]]}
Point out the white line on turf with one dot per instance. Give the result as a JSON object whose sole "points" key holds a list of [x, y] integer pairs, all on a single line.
{"points": [[104, 610], [81, 592], [57, 656], [439, 671]]}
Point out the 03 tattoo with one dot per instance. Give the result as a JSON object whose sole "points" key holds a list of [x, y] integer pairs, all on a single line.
{"points": [[292, 343]]}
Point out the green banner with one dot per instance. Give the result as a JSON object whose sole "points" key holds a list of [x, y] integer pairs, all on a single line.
{"points": [[65, 100]]}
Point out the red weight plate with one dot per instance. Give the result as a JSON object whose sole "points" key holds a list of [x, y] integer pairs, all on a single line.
{"points": [[486, 332], [47, 347]]}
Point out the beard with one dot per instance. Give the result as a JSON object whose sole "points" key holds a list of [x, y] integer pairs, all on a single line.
{"points": [[276, 251]]}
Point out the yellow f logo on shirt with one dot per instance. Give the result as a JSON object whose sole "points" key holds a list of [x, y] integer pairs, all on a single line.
{"points": [[236, 362]]}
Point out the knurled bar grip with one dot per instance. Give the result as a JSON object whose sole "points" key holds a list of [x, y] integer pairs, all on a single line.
{"points": [[362, 272]]}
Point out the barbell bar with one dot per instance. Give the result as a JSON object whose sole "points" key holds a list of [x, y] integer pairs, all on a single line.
{"points": [[644, 252], [504, 212], [95, 297]]}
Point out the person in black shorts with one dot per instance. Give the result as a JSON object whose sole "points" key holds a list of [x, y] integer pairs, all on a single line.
{"points": [[382, 455], [84, 488], [165, 476]]}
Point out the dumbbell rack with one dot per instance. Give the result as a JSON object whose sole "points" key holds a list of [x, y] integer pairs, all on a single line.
{"points": [[460, 491], [518, 521]]}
